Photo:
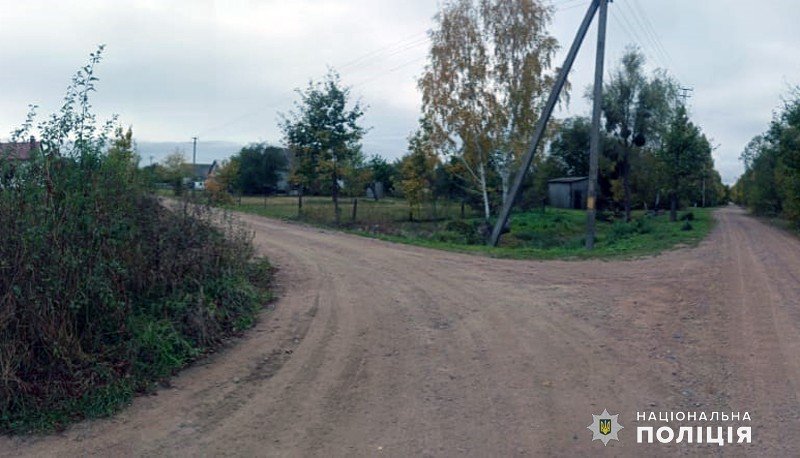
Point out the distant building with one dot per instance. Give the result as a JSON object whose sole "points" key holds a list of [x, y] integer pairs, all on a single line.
{"points": [[375, 190], [569, 192], [199, 173], [19, 151]]}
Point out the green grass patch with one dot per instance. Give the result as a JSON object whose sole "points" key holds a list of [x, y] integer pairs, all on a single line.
{"points": [[552, 234]]}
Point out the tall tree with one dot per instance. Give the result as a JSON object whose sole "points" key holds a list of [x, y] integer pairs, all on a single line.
{"points": [[485, 83], [685, 155], [324, 135], [636, 110], [259, 168], [570, 146], [176, 170], [228, 175], [418, 169], [122, 152], [771, 182], [382, 171]]}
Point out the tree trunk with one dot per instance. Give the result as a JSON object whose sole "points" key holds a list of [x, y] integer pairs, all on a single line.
{"points": [[704, 191], [484, 191], [505, 180], [673, 206], [335, 195], [626, 184]]}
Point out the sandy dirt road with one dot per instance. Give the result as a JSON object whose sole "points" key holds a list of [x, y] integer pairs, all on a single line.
{"points": [[378, 349]]}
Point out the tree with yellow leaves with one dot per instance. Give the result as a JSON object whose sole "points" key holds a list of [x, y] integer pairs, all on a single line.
{"points": [[418, 168]]}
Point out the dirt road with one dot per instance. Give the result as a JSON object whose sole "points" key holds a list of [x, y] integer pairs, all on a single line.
{"points": [[381, 349]]}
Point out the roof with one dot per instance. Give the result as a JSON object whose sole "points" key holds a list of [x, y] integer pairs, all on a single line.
{"points": [[200, 170], [567, 179], [19, 150]]}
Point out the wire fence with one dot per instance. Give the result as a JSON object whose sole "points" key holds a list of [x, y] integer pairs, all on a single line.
{"points": [[353, 211]]}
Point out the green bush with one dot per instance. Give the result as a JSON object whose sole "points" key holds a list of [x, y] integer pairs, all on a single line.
{"points": [[104, 290], [621, 230], [462, 232]]}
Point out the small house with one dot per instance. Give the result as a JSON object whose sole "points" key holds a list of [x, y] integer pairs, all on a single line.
{"points": [[19, 151], [197, 174], [568, 192]]}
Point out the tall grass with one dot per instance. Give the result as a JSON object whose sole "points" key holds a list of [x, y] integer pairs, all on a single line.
{"points": [[103, 290]]}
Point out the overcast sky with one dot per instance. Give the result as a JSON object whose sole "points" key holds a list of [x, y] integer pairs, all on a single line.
{"points": [[224, 70]]}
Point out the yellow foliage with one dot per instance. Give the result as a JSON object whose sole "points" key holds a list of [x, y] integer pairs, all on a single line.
{"points": [[216, 191]]}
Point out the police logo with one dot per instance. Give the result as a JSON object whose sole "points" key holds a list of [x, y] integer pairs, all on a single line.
{"points": [[605, 427]]}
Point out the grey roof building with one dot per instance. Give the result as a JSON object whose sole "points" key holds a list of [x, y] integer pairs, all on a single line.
{"points": [[568, 192]]}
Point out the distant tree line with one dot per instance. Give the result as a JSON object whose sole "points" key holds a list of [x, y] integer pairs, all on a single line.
{"points": [[770, 185]]}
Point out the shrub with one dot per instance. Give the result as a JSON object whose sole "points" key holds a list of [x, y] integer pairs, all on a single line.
{"points": [[688, 216], [467, 232], [104, 290], [621, 230]]}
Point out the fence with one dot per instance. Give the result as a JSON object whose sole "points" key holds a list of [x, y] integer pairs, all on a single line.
{"points": [[353, 210]]}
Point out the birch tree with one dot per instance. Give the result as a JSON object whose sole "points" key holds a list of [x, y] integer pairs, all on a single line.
{"points": [[486, 80]]}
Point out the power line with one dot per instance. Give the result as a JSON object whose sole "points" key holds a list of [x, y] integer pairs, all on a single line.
{"points": [[559, 3], [637, 7], [397, 47], [637, 22], [582, 3], [637, 38], [391, 70], [641, 20]]}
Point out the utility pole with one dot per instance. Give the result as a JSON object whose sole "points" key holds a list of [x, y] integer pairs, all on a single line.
{"points": [[542, 123], [194, 161], [686, 93], [194, 151], [597, 111]]}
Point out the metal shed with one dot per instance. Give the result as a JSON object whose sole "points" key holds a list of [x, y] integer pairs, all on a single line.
{"points": [[568, 192]]}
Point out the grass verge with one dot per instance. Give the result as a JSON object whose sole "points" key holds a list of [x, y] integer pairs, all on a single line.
{"points": [[549, 234]]}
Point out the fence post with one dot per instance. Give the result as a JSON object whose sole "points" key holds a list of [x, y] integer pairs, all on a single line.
{"points": [[355, 208], [299, 203]]}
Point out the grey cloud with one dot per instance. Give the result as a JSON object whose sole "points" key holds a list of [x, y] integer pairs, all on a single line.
{"points": [[226, 69]]}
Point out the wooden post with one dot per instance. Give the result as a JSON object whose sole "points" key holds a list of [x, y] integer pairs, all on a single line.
{"points": [[355, 209], [299, 203]]}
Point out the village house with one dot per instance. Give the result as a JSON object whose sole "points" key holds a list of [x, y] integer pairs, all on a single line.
{"points": [[18, 151]]}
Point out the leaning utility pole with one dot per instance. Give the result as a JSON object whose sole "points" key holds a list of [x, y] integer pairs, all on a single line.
{"points": [[597, 111], [542, 123]]}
